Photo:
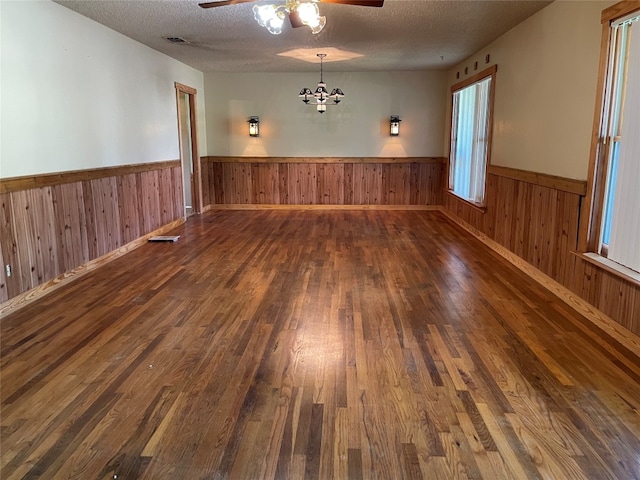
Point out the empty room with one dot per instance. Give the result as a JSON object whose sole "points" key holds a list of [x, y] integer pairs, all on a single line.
{"points": [[319, 239]]}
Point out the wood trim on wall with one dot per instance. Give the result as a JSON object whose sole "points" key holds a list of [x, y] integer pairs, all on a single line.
{"points": [[592, 212], [15, 184], [196, 193], [579, 187], [487, 72], [323, 160], [619, 10]]}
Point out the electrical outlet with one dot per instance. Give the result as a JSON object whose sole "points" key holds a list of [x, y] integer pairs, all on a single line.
{"points": [[7, 268]]}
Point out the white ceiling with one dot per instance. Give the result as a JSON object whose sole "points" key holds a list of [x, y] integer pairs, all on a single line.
{"points": [[402, 35]]}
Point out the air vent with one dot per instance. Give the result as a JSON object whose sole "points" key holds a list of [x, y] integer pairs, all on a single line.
{"points": [[175, 39]]}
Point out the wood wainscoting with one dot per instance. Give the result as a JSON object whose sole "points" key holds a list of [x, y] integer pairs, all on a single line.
{"points": [[536, 216], [322, 181], [55, 223]]}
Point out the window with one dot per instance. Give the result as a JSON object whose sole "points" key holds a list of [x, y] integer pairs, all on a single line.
{"points": [[471, 135], [615, 187]]}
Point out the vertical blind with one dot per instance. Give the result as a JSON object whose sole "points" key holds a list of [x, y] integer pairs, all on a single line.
{"points": [[469, 140], [624, 241]]}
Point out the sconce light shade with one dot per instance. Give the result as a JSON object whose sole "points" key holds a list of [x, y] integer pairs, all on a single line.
{"points": [[254, 126], [394, 124]]}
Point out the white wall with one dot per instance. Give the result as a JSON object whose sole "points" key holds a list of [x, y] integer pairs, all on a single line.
{"points": [[78, 95], [358, 127], [545, 89]]}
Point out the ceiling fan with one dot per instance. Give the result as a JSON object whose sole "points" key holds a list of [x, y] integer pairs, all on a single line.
{"points": [[301, 12]]}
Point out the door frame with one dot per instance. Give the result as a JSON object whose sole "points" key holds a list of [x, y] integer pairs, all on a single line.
{"points": [[196, 190]]}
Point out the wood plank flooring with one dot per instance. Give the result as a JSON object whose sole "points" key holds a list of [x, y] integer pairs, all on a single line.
{"points": [[314, 344]]}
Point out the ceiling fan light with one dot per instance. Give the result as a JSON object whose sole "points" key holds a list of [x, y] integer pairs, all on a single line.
{"points": [[317, 28], [264, 13], [308, 13], [274, 25]]}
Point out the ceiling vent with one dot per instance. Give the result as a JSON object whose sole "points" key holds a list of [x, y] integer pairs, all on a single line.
{"points": [[175, 39]]}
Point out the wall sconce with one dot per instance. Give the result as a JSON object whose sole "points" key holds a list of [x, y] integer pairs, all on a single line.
{"points": [[254, 126], [394, 124]]}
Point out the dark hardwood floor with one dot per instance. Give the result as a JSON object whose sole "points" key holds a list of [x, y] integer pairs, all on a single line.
{"points": [[314, 344]]}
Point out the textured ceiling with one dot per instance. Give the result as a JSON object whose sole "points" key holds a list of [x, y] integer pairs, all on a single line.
{"points": [[402, 35]]}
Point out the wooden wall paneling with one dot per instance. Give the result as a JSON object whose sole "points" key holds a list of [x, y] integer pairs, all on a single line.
{"points": [[416, 192], [612, 301], [359, 184], [264, 183], [471, 215], [237, 182], [90, 216], [425, 184], [105, 209], [128, 202], [283, 184], [367, 184], [491, 208], [47, 241], [68, 202], [348, 184], [436, 174], [26, 238], [62, 226], [302, 183], [4, 296], [207, 181], [542, 218], [395, 184], [504, 217], [165, 197], [154, 197], [567, 215], [177, 193], [635, 312], [9, 246], [330, 188], [338, 181], [523, 219], [373, 183], [218, 193]]}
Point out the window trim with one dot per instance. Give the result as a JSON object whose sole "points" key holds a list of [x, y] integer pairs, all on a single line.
{"points": [[486, 73], [593, 207]]}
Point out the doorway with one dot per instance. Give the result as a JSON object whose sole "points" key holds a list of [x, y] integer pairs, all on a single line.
{"points": [[188, 144]]}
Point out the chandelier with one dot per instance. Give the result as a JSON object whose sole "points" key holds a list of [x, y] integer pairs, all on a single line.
{"points": [[321, 94], [300, 13]]}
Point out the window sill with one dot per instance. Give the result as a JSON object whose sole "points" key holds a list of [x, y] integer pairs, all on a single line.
{"points": [[477, 206], [610, 266]]}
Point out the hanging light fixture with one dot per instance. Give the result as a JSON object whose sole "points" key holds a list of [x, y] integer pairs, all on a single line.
{"points": [[300, 13], [321, 94]]}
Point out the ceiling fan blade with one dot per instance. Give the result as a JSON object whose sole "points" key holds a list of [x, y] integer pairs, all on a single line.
{"points": [[359, 3], [223, 3]]}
